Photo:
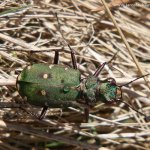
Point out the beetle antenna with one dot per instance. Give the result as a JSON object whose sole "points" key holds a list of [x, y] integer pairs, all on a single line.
{"points": [[134, 80], [113, 57], [147, 118], [59, 28]]}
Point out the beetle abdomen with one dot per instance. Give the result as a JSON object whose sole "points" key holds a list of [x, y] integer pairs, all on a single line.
{"points": [[44, 84]]}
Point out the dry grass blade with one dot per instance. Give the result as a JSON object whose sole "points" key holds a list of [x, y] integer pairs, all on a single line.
{"points": [[126, 43], [114, 3], [44, 135]]}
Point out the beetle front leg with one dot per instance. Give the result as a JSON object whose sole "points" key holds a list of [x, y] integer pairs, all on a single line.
{"points": [[101, 66], [56, 57], [99, 69]]}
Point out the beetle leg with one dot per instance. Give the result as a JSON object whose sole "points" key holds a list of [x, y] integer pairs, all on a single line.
{"points": [[34, 115], [56, 57], [101, 66], [74, 62], [86, 109], [43, 112], [30, 113], [99, 69], [86, 113]]}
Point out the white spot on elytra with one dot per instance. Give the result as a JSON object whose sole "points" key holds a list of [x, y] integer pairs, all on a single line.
{"points": [[50, 66], [43, 92], [66, 68], [29, 67], [45, 76]]}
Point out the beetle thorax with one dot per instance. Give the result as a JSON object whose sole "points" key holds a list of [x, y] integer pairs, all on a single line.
{"points": [[96, 90], [89, 88]]}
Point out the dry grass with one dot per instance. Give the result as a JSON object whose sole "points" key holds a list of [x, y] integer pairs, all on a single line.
{"points": [[88, 28]]}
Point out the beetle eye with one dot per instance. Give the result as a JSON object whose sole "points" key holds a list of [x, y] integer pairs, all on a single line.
{"points": [[112, 81]]}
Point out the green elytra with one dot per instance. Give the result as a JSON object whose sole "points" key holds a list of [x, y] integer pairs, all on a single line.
{"points": [[57, 86], [49, 85]]}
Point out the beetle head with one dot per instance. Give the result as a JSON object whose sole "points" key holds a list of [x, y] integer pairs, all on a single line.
{"points": [[108, 91]]}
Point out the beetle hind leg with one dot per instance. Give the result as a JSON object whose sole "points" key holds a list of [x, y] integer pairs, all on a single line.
{"points": [[40, 117], [74, 61], [86, 113], [43, 112]]}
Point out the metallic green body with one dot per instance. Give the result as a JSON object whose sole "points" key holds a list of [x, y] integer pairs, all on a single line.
{"points": [[107, 92], [96, 90], [60, 86], [49, 85]]}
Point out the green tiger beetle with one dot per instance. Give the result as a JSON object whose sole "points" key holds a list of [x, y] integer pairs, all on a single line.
{"points": [[58, 86]]}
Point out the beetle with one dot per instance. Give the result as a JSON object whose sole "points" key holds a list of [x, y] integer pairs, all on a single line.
{"points": [[58, 86], [54, 85]]}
